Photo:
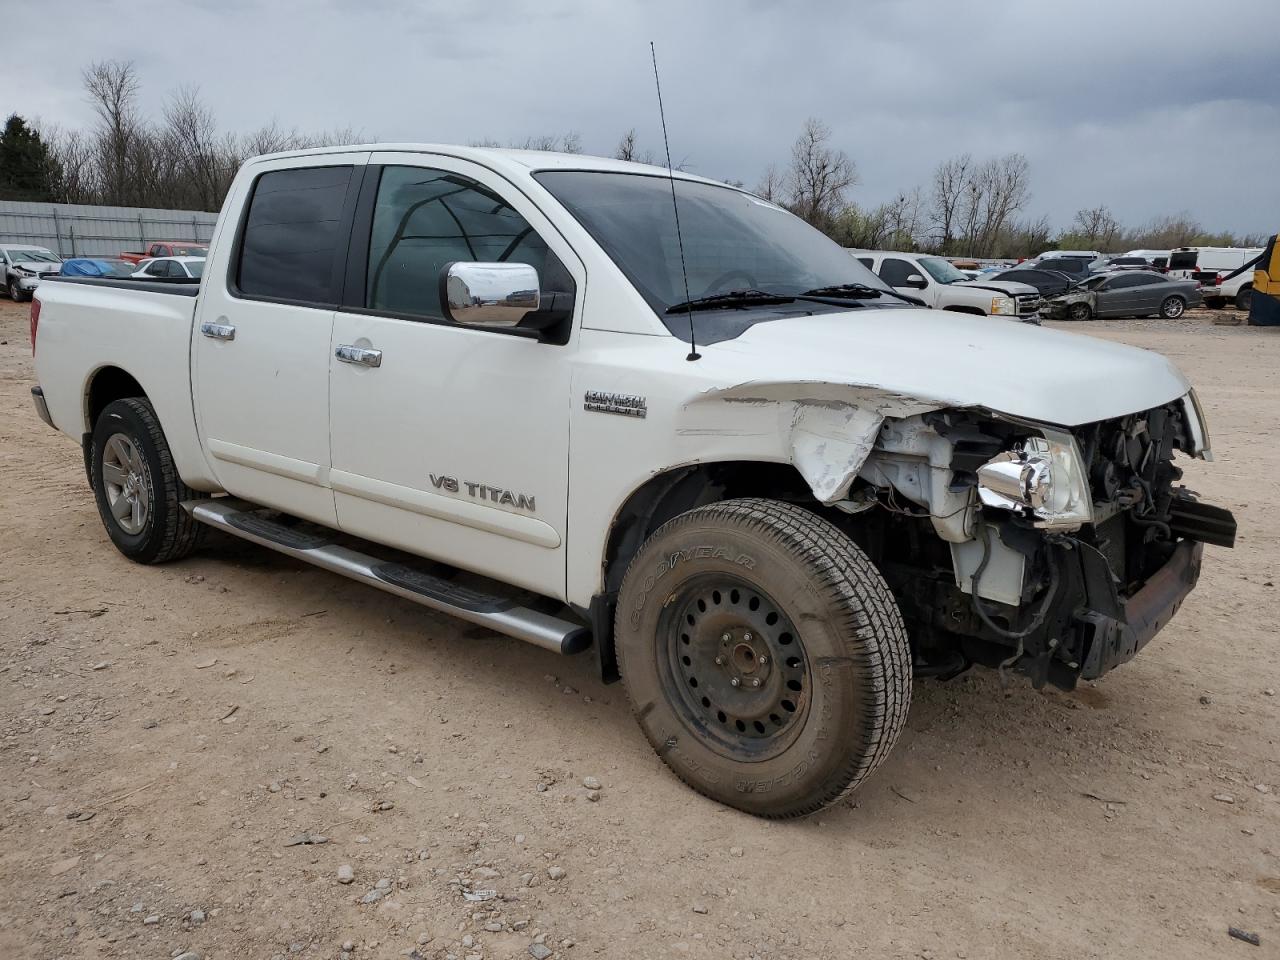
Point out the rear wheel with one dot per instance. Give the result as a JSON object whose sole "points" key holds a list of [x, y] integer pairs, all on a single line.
{"points": [[137, 486], [1079, 311], [1173, 307], [764, 656], [1244, 298]]}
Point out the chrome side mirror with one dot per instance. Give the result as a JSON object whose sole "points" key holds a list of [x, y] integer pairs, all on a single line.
{"points": [[488, 294], [917, 282]]}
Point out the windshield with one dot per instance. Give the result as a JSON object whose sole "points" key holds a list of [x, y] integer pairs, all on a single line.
{"points": [[942, 270], [34, 255], [195, 267], [732, 241]]}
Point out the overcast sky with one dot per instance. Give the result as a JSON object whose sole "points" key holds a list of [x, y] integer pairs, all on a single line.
{"points": [[1149, 108]]}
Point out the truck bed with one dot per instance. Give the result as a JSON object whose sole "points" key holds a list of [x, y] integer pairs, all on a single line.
{"points": [[143, 328]]}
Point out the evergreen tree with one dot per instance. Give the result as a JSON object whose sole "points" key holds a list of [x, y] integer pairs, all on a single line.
{"points": [[28, 170]]}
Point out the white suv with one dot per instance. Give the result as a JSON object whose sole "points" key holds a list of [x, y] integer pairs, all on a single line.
{"points": [[940, 285]]}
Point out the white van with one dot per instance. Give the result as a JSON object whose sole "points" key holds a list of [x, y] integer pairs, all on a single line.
{"points": [[1210, 265]]}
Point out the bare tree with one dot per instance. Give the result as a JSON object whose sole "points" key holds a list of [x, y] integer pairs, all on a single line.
{"points": [[112, 88], [950, 184], [771, 185], [627, 149], [570, 142], [818, 177], [1097, 227]]}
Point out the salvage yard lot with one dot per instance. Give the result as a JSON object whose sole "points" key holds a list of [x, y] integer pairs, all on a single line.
{"points": [[165, 732]]}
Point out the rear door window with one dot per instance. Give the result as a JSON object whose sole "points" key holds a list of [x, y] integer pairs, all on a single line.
{"points": [[293, 245]]}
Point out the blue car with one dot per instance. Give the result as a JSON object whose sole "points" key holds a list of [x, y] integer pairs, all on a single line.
{"points": [[97, 267]]}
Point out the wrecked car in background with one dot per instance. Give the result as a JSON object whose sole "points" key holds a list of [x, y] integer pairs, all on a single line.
{"points": [[768, 491], [1125, 293]]}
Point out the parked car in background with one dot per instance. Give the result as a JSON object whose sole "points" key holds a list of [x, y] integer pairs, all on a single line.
{"points": [[1211, 265], [935, 281], [170, 268], [168, 248], [1159, 258], [1078, 268], [1074, 254], [24, 266], [1127, 262], [98, 267], [1050, 283], [1127, 293]]}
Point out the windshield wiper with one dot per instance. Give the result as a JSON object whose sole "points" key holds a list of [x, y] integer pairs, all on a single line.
{"points": [[732, 298], [855, 291]]}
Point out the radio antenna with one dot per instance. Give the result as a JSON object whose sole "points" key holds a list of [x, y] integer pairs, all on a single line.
{"points": [[675, 208]]}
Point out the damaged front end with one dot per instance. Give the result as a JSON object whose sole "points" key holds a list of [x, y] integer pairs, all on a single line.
{"points": [[1057, 553]]}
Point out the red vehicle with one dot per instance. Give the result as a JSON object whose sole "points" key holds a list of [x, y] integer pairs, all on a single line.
{"points": [[168, 248]]}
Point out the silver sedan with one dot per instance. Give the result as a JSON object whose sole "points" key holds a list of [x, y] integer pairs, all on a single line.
{"points": [[1127, 293]]}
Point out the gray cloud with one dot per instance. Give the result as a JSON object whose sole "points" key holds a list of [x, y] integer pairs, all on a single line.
{"points": [[1148, 107]]}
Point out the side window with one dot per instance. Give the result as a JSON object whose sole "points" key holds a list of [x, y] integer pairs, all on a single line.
{"points": [[424, 219], [155, 251], [1125, 280], [158, 268], [866, 262], [894, 272], [292, 245]]}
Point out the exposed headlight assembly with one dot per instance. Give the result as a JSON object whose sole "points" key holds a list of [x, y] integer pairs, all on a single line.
{"points": [[1044, 477], [1003, 306], [1198, 426]]}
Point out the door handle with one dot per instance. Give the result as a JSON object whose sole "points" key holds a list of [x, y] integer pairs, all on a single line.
{"points": [[350, 354], [218, 331]]}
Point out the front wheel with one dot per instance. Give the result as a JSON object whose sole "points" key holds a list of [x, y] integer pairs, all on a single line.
{"points": [[1079, 311], [15, 292], [137, 486], [764, 656], [1173, 307]]}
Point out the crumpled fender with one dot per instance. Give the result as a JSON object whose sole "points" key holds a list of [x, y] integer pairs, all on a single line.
{"points": [[830, 428]]}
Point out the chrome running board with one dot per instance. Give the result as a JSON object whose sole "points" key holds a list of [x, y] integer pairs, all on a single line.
{"points": [[497, 613]]}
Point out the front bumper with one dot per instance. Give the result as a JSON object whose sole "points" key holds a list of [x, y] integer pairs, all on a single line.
{"points": [[42, 408], [1109, 641]]}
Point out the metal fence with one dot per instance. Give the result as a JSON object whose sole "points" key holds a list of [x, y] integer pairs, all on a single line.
{"points": [[81, 230]]}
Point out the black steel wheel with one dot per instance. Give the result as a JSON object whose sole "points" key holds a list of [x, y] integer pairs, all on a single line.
{"points": [[737, 663], [764, 656]]}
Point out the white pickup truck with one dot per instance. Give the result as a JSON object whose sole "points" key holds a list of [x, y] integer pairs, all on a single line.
{"points": [[483, 359], [940, 285]]}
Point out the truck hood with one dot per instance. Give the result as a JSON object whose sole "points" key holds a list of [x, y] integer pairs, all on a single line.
{"points": [[946, 359], [1004, 286]]}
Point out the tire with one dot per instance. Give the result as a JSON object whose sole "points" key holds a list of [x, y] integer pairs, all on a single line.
{"points": [[137, 486], [1244, 297], [1079, 311], [15, 292], [819, 713], [1173, 307]]}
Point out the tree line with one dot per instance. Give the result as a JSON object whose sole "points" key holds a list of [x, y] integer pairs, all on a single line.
{"points": [[970, 207]]}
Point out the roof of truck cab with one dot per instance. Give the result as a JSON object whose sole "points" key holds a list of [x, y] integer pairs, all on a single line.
{"points": [[519, 162]]}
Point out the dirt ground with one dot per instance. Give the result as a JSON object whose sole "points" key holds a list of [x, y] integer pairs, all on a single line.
{"points": [[166, 731]]}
